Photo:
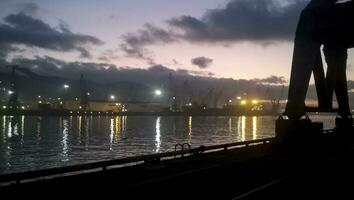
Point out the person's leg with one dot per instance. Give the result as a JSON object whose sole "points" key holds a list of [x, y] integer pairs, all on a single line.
{"points": [[306, 52]]}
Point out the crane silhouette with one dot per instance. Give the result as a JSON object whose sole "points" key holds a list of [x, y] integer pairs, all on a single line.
{"points": [[327, 23]]}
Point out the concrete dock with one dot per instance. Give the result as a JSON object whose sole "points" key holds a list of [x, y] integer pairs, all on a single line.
{"points": [[262, 171]]}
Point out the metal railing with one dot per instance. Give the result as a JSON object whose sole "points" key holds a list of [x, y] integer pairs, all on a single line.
{"points": [[104, 165]]}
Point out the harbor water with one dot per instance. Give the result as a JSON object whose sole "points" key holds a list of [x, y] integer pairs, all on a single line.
{"points": [[30, 143]]}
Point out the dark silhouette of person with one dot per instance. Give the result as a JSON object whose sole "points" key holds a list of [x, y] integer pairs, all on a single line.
{"points": [[319, 25]]}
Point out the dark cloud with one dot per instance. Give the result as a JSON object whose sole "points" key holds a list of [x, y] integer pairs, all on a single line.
{"points": [[134, 42], [271, 80], [200, 82], [202, 62], [28, 8], [243, 20], [105, 72], [26, 30], [259, 21], [5, 50], [149, 35], [138, 53], [102, 72]]}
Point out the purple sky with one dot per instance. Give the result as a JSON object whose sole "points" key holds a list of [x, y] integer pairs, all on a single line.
{"points": [[245, 39]]}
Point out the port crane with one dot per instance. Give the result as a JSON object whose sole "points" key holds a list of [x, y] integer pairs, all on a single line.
{"points": [[330, 24], [85, 94], [217, 96], [276, 102], [13, 102]]}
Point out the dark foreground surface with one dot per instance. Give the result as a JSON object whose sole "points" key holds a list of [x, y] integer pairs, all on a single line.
{"points": [[314, 169]]}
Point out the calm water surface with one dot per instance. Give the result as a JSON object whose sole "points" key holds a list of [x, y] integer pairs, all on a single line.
{"points": [[29, 143]]}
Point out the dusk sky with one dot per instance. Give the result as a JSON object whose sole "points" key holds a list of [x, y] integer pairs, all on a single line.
{"points": [[240, 39]]}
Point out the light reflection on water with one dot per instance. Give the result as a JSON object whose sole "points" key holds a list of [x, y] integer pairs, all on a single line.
{"points": [[158, 134], [28, 143]]}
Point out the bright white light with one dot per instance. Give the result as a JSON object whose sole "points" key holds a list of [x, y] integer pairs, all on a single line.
{"points": [[239, 98], [3, 107], [10, 92], [158, 92], [39, 96], [66, 86], [88, 94], [230, 101], [22, 107], [112, 97]]}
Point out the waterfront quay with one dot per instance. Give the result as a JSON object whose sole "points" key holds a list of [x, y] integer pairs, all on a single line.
{"points": [[257, 169]]}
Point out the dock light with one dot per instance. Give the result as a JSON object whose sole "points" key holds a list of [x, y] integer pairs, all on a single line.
{"points": [[239, 98], [112, 97], [71, 112], [61, 103], [230, 101], [3, 107], [22, 107], [10, 92], [66, 86], [39, 96], [88, 94], [80, 107], [244, 102], [173, 98], [254, 101], [39, 102], [158, 92], [190, 104]]}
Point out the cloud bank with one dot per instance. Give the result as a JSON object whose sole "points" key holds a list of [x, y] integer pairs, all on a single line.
{"points": [[22, 29], [259, 21]]}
